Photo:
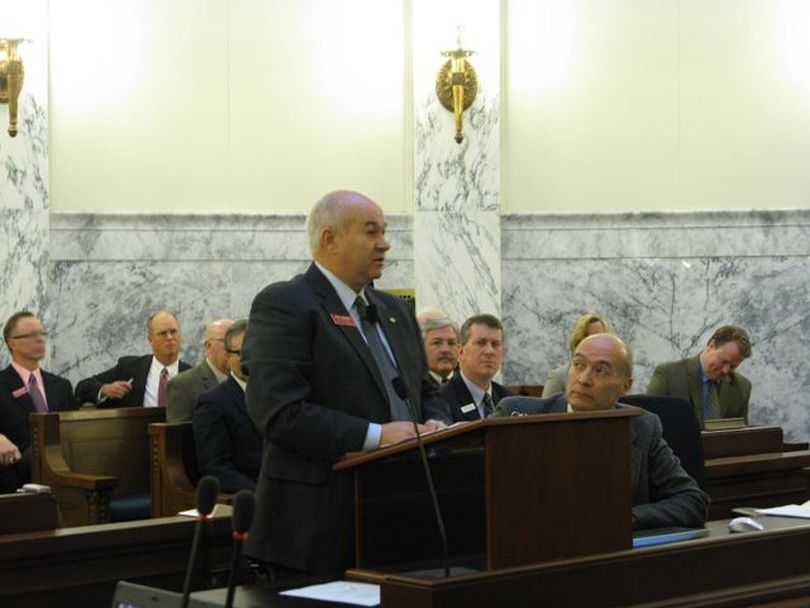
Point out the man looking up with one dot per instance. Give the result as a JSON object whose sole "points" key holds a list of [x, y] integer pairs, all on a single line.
{"points": [[600, 374], [140, 381]]}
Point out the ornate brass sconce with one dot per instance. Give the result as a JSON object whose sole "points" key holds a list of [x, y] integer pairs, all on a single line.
{"points": [[457, 85], [12, 73]]}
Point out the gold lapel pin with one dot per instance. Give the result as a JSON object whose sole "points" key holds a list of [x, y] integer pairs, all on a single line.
{"points": [[392, 319]]}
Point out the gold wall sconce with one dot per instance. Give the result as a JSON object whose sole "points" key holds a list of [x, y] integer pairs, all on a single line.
{"points": [[12, 74], [457, 85]]}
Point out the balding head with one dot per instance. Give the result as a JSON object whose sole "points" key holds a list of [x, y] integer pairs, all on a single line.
{"points": [[347, 236], [215, 343], [601, 372]]}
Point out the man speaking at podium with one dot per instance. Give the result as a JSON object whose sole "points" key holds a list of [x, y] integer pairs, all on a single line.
{"points": [[601, 372], [321, 351]]}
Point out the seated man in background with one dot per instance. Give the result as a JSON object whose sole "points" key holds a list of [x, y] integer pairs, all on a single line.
{"points": [[25, 388], [587, 325], [600, 373], [187, 386], [708, 381], [228, 445], [140, 381], [440, 336], [471, 393]]}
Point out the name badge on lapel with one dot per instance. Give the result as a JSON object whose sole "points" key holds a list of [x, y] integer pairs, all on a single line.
{"points": [[19, 392], [466, 409], [344, 320]]}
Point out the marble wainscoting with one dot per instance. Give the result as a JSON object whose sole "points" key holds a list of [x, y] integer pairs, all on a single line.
{"points": [[666, 281], [108, 273]]}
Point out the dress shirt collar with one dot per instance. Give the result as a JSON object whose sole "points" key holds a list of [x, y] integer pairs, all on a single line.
{"points": [[25, 374], [346, 294], [241, 383], [438, 378], [157, 366], [476, 391]]}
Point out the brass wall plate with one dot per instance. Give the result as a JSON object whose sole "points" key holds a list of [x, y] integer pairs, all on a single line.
{"points": [[444, 85], [407, 295]]}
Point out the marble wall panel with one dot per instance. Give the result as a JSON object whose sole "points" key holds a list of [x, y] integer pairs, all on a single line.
{"points": [[109, 273], [665, 283]]}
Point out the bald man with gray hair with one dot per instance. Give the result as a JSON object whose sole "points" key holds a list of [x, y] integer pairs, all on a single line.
{"points": [[185, 388]]}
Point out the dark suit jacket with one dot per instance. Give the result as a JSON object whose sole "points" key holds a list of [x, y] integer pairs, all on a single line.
{"points": [[663, 494], [456, 394], [684, 379], [313, 389], [14, 419], [228, 445], [136, 368], [185, 390]]}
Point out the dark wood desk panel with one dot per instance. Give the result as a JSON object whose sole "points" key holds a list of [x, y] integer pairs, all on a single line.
{"points": [[79, 566], [719, 564]]}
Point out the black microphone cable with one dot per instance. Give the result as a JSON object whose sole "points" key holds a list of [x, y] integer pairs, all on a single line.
{"points": [[207, 492], [243, 507]]}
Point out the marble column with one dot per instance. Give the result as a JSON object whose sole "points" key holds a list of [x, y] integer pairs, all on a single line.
{"points": [[457, 232], [24, 175]]}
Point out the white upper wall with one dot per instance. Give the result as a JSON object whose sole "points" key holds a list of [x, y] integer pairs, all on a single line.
{"points": [[633, 105], [262, 106], [226, 105]]}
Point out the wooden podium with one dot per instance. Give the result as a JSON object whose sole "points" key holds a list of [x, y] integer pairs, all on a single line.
{"points": [[513, 491]]}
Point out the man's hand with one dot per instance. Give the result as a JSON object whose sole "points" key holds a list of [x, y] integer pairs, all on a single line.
{"points": [[434, 425], [9, 453], [117, 389], [394, 432]]}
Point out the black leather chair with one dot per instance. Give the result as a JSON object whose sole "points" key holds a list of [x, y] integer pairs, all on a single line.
{"points": [[680, 428]]}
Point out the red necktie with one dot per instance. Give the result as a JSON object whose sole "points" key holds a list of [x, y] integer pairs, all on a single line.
{"points": [[163, 388]]}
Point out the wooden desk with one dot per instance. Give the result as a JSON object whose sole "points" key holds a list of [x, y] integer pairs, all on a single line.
{"points": [[751, 567], [752, 466], [79, 566]]}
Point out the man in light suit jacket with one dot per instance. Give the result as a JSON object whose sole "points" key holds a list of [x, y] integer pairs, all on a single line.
{"points": [[185, 388], [472, 394], [140, 381], [320, 364], [600, 374], [693, 379], [227, 443], [25, 388]]}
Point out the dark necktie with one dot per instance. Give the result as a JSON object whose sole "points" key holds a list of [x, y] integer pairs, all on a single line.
{"points": [[488, 405], [386, 367], [36, 394], [714, 401], [163, 388]]}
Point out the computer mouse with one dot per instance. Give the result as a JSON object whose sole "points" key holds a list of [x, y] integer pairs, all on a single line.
{"points": [[745, 524]]}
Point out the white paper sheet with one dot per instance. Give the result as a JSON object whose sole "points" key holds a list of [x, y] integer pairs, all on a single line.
{"points": [[802, 511], [348, 592]]}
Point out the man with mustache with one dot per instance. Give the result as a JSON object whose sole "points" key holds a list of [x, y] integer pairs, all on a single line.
{"points": [[440, 336], [472, 394]]}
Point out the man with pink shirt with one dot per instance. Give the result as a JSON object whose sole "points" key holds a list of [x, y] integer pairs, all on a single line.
{"points": [[25, 388]]}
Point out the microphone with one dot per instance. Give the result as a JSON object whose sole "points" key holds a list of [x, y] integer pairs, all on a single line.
{"points": [[372, 316], [243, 506], [207, 491], [401, 389]]}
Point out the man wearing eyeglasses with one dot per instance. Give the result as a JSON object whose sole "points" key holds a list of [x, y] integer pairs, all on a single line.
{"points": [[24, 389], [228, 445], [186, 388], [140, 381]]}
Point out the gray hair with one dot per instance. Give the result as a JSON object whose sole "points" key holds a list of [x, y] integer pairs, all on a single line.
{"points": [[329, 212], [429, 324]]}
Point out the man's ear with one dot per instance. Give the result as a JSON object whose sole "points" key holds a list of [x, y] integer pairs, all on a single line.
{"points": [[627, 384]]}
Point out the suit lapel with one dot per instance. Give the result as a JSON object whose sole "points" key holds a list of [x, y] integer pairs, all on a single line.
{"points": [[694, 379], [464, 397], [51, 394], [334, 308], [140, 377], [13, 382]]}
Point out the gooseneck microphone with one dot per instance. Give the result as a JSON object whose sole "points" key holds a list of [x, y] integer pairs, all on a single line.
{"points": [[401, 389], [243, 506], [207, 492]]}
